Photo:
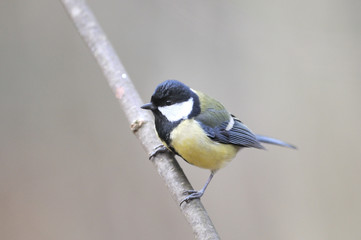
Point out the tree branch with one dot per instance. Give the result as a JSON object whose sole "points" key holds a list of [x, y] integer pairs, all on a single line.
{"points": [[140, 120]]}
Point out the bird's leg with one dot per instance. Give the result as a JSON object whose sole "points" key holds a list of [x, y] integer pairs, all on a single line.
{"points": [[158, 149], [193, 194]]}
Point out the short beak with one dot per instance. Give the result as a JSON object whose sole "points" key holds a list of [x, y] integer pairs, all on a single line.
{"points": [[149, 106]]}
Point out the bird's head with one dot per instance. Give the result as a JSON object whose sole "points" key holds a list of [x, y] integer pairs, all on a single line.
{"points": [[173, 100]]}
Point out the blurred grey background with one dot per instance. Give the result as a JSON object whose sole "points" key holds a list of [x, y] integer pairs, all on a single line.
{"points": [[70, 168]]}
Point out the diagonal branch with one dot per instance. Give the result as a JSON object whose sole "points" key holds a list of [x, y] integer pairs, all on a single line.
{"points": [[141, 121]]}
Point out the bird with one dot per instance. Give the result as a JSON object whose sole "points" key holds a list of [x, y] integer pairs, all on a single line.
{"points": [[199, 129]]}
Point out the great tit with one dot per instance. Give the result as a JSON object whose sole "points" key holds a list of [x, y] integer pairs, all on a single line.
{"points": [[199, 129]]}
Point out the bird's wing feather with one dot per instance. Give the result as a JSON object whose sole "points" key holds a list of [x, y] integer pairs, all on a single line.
{"points": [[239, 134], [215, 120]]}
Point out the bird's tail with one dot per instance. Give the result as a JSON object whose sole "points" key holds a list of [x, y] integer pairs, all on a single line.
{"points": [[274, 141]]}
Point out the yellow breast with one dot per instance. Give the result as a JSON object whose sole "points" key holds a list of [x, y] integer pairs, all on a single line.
{"points": [[191, 142]]}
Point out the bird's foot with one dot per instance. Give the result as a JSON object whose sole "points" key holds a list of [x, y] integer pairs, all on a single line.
{"points": [[193, 194], [158, 149]]}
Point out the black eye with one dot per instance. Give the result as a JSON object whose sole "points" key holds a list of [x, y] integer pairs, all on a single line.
{"points": [[168, 103]]}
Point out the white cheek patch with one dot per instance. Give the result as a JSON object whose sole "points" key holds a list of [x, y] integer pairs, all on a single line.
{"points": [[177, 111]]}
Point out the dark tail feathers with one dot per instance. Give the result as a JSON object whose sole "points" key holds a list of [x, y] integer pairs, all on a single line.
{"points": [[264, 139]]}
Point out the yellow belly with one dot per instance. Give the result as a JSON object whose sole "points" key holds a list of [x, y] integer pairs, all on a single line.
{"points": [[191, 142]]}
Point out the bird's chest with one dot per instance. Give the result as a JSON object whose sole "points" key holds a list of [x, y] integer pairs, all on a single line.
{"points": [[190, 141]]}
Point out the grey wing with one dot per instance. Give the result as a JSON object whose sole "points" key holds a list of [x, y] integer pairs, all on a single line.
{"points": [[238, 134], [222, 126]]}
